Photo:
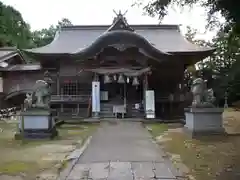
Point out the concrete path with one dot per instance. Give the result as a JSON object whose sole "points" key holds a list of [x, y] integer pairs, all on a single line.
{"points": [[122, 151]]}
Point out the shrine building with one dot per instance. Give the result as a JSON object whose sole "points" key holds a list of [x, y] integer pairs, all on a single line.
{"points": [[101, 70]]}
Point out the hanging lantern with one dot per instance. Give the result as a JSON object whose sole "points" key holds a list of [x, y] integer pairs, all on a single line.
{"points": [[135, 81], [121, 79], [107, 79], [128, 79]]}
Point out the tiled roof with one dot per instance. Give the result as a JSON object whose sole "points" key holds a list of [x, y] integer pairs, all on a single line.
{"points": [[165, 38]]}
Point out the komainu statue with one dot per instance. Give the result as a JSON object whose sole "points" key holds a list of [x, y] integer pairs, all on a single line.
{"points": [[40, 96], [28, 101], [202, 97]]}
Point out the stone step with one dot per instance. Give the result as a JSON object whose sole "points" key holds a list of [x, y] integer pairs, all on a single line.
{"points": [[107, 115]]}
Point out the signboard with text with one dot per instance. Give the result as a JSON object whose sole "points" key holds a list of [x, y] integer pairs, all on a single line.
{"points": [[95, 96]]}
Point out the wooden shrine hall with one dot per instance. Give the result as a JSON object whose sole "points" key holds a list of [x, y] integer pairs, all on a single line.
{"points": [[119, 70]]}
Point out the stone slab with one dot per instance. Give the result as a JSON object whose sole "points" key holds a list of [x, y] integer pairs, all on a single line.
{"points": [[36, 122], [120, 170], [75, 154], [204, 110], [80, 171], [36, 112], [142, 170], [99, 171], [161, 170]]}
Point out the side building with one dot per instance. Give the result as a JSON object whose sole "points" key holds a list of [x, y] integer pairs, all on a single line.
{"points": [[126, 60]]}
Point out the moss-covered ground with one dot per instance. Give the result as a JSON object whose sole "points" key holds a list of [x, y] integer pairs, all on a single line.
{"points": [[28, 158], [206, 158]]}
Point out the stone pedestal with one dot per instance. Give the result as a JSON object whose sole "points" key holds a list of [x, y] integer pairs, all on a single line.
{"points": [[204, 121], [36, 124]]}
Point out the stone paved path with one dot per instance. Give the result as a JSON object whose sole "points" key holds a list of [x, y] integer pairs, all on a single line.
{"points": [[122, 151]]}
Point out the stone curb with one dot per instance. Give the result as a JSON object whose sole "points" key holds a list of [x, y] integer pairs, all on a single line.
{"points": [[176, 172], [73, 158]]}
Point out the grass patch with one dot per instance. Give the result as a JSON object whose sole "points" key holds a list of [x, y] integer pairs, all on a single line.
{"points": [[33, 156], [157, 129], [212, 157], [14, 167]]}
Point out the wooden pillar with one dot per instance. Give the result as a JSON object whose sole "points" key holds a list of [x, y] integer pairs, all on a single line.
{"points": [[61, 107], [125, 93], [145, 88], [2, 102], [58, 84], [77, 109], [1, 83]]}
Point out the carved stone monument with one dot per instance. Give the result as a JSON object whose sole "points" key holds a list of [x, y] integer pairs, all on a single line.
{"points": [[202, 117], [36, 120]]}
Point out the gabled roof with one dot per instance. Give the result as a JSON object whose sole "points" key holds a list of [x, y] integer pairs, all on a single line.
{"points": [[153, 40], [6, 53], [22, 67]]}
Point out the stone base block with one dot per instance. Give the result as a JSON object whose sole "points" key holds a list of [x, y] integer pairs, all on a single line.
{"points": [[36, 134], [204, 121], [36, 124]]}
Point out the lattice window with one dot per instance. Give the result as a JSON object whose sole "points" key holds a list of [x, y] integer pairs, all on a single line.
{"points": [[74, 87], [69, 88]]}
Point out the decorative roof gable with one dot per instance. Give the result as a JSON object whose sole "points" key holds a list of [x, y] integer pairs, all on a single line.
{"points": [[120, 23]]}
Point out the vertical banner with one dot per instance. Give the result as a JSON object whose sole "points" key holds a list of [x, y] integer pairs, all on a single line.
{"points": [[95, 96], [150, 104]]}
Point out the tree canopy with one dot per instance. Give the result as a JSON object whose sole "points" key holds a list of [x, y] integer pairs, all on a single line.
{"points": [[14, 31], [229, 9], [222, 69], [45, 36]]}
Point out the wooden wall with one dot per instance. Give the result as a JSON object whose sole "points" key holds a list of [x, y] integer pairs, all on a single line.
{"points": [[15, 81], [75, 70]]}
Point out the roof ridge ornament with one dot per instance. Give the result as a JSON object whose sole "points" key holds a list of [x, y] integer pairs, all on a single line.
{"points": [[120, 13], [120, 22]]}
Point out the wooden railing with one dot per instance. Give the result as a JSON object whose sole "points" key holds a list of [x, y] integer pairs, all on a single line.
{"points": [[77, 98], [72, 112]]}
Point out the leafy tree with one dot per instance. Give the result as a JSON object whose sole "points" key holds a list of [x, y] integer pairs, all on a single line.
{"points": [[46, 36], [223, 68], [14, 31], [226, 61], [229, 9]]}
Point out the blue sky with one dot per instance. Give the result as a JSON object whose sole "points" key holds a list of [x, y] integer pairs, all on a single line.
{"points": [[41, 14]]}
